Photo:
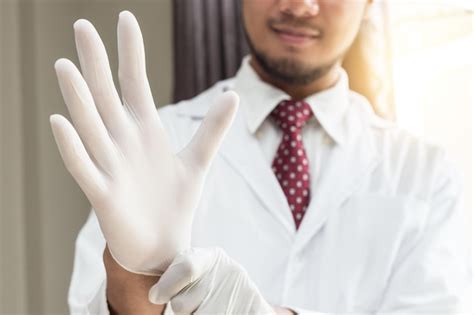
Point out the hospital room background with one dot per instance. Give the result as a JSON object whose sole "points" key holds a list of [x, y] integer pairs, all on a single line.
{"points": [[414, 62]]}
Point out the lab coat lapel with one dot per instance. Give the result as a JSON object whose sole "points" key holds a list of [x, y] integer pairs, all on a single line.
{"points": [[244, 154], [349, 164], [242, 151]]}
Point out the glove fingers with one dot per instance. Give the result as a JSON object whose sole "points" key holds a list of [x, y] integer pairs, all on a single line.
{"points": [[206, 141], [85, 117], [76, 159], [136, 93], [186, 269], [96, 70]]}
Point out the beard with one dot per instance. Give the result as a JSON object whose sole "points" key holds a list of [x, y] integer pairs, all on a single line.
{"points": [[287, 70], [290, 71]]}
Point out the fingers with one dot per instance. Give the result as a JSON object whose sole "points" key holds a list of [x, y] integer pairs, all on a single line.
{"points": [[76, 159], [96, 70], [206, 141], [186, 268], [136, 93], [85, 117]]}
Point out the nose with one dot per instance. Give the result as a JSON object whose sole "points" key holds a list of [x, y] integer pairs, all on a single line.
{"points": [[299, 8]]}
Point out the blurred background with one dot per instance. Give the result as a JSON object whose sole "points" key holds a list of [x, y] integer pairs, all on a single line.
{"points": [[413, 59]]}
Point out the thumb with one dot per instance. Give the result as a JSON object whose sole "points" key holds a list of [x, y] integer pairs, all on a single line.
{"points": [[186, 269], [206, 141]]}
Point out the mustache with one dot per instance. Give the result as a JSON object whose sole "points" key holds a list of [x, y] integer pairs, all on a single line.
{"points": [[290, 21]]}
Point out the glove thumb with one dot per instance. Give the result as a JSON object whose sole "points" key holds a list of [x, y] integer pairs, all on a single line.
{"points": [[210, 134]]}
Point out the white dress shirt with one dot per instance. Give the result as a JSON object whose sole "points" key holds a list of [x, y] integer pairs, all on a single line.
{"points": [[383, 232]]}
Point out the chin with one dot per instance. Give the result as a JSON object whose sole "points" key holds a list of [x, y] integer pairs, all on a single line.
{"points": [[297, 60], [304, 56]]}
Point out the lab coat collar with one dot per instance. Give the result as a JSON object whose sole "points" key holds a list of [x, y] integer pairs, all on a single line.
{"points": [[260, 98]]}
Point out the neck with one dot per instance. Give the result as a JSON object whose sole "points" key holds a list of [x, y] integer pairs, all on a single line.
{"points": [[299, 92]]}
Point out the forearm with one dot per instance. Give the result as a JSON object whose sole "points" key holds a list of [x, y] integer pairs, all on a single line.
{"points": [[127, 293]]}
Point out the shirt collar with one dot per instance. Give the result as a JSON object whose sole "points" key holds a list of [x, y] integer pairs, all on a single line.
{"points": [[259, 98]]}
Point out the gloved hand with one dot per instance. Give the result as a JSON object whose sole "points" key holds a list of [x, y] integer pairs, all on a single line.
{"points": [[207, 281], [143, 194]]}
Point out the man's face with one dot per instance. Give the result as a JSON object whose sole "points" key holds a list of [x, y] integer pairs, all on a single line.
{"points": [[298, 41]]}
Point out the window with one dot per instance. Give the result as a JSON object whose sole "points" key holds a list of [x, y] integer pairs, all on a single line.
{"points": [[433, 75]]}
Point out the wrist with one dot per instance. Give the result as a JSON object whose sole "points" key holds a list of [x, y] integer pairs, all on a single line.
{"points": [[127, 292]]}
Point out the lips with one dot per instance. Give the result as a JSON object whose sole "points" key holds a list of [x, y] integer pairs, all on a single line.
{"points": [[296, 32], [296, 37]]}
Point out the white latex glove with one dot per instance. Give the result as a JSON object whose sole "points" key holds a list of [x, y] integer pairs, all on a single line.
{"points": [[207, 281], [143, 194]]}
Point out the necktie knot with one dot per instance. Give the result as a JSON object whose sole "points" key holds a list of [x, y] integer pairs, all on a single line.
{"points": [[291, 115]]}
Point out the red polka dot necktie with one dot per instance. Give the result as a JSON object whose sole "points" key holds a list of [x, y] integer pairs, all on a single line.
{"points": [[291, 165]]}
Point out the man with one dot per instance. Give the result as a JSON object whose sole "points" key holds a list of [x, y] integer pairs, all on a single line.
{"points": [[316, 204]]}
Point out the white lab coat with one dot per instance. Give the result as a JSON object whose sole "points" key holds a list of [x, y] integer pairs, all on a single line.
{"points": [[383, 232]]}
